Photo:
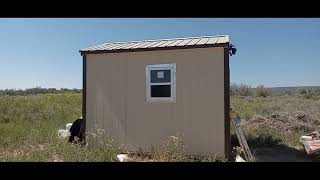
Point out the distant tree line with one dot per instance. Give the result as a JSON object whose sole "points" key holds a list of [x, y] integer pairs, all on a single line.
{"points": [[246, 90], [261, 91], [308, 93], [36, 90], [240, 89]]}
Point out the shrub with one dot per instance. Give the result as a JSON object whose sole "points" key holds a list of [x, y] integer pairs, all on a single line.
{"points": [[261, 91], [173, 149], [244, 89], [308, 96], [303, 91], [241, 89], [233, 89], [316, 92]]}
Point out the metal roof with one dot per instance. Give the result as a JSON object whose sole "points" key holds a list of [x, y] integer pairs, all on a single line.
{"points": [[189, 42]]}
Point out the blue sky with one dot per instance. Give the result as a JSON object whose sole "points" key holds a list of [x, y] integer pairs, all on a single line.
{"points": [[45, 52]]}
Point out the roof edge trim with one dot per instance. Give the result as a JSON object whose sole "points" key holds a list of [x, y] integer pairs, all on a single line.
{"points": [[154, 49]]}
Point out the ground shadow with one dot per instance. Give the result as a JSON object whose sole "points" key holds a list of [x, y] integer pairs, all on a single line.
{"points": [[270, 149], [260, 141]]}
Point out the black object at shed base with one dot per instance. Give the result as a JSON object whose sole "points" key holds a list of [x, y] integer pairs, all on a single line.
{"points": [[77, 130]]}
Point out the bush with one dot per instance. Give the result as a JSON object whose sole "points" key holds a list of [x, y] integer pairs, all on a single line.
{"points": [[233, 89], [303, 91], [316, 92], [261, 91], [173, 149], [241, 89], [307, 95]]}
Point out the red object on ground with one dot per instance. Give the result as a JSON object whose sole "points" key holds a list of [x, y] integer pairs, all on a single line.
{"points": [[312, 147]]}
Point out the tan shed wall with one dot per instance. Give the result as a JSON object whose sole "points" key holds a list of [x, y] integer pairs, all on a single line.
{"points": [[116, 99]]}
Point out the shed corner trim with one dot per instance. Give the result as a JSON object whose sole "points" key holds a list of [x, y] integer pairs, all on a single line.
{"points": [[227, 103]]}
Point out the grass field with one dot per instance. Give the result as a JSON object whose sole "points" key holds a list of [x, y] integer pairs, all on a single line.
{"points": [[29, 124]]}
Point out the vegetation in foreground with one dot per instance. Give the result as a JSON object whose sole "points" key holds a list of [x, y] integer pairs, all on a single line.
{"points": [[277, 119], [29, 124]]}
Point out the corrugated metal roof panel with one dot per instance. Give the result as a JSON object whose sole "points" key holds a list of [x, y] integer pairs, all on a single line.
{"points": [[193, 41], [107, 46], [143, 44], [116, 46], [100, 47], [125, 45], [212, 40], [149, 44], [121, 45], [202, 41], [175, 42], [184, 42], [221, 40], [136, 45], [161, 43], [132, 44], [157, 44], [167, 43]]}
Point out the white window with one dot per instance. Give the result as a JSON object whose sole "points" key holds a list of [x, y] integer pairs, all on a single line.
{"points": [[161, 83]]}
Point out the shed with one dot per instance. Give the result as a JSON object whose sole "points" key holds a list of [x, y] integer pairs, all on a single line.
{"points": [[141, 92]]}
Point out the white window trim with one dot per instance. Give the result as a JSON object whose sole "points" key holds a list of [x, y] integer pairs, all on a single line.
{"points": [[172, 68]]}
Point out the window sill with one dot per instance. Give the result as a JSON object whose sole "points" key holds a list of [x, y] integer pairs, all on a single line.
{"points": [[160, 100]]}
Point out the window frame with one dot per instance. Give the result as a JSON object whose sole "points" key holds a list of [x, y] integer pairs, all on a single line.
{"points": [[172, 83]]}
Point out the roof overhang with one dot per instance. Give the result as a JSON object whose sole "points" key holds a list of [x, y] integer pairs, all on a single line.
{"points": [[225, 45], [160, 44]]}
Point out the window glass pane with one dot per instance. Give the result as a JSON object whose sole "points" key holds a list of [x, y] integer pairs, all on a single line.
{"points": [[160, 76], [160, 90]]}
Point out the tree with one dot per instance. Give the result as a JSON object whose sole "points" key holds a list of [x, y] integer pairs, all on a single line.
{"points": [[241, 89], [261, 91]]}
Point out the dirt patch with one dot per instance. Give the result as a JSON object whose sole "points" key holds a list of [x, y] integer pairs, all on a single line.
{"points": [[281, 153]]}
